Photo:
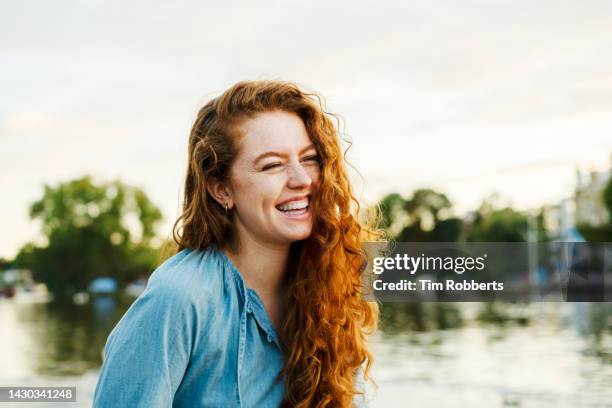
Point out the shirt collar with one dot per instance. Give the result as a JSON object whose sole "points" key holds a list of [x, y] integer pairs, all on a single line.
{"points": [[251, 299]]}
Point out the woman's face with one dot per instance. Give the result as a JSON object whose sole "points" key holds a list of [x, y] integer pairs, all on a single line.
{"points": [[271, 180]]}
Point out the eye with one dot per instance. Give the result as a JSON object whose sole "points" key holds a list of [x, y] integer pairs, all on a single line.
{"points": [[271, 166], [313, 158]]}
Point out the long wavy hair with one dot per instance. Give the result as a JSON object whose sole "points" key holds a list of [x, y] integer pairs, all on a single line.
{"points": [[327, 321]]}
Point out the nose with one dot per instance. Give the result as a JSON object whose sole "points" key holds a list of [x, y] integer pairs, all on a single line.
{"points": [[299, 177]]}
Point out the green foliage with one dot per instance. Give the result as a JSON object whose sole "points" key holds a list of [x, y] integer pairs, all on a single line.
{"points": [[491, 224], [91, 231], [391, 207], [5, 264], [419, 316], [501, 314], [425, 217], [600, 233], [443, 231], [607, 198], [591, 233]]}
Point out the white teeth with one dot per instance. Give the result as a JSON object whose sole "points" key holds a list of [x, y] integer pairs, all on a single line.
{"points": [[294, 205]]}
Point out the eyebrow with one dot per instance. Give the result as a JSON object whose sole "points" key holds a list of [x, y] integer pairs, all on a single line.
{"points": [[268, 154]]}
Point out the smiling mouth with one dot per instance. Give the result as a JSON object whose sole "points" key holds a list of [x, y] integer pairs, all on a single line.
{"points": [[294, 212], [296, 209]]}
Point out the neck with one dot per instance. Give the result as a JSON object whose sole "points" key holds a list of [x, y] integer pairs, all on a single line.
{"points": [[262, 266]]}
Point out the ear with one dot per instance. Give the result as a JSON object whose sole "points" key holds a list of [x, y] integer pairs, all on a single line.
{"points": [[220, 192]]}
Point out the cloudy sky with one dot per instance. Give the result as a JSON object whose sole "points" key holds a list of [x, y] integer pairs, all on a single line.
{"points": [[468, 97]]}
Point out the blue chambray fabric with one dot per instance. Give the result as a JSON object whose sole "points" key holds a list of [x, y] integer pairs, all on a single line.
{"points": [[196, 337]]}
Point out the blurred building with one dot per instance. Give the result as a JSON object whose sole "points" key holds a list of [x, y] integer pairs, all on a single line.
{"points": [[560, 220], [590, 207], [585, 207]]}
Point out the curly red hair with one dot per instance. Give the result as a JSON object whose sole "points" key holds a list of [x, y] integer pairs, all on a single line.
{"points": [[327, 321]]}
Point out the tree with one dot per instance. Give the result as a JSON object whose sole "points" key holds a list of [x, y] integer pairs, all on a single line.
{"points": [[91, 230], [392, 211], [600, 233], [425, 217], [492, 224], [4, 264], [429, 218], [607, 198]]}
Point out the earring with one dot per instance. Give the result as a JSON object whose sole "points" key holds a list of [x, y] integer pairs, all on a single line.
{"points": [[225, 205]]}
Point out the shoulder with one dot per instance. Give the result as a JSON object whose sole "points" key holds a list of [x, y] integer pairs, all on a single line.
{"points": [[192, 276], [183, 292], [185, 289]]}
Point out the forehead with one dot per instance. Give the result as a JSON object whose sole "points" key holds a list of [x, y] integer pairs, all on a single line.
{"points": [[277, 131]]}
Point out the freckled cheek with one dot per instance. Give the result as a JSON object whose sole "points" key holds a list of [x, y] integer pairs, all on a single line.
{"points": [[246, 191], [259, 193]]}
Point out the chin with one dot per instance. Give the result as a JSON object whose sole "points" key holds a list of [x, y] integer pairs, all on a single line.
{"points": [[298, 237]]}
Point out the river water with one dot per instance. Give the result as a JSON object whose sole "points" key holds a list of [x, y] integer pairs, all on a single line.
{"points": [[538, 355]]}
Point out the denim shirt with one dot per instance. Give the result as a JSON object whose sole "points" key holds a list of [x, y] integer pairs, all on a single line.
{"points": [[196, 337]]}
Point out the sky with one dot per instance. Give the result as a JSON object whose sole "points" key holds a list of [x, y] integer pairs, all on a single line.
{"points": [[468, 97]]}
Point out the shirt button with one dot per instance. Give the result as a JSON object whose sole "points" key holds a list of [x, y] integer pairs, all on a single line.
{"points": [[270, 338]]}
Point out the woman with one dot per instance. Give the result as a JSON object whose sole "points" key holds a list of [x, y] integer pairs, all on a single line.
{"points": [[261, 305]]}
